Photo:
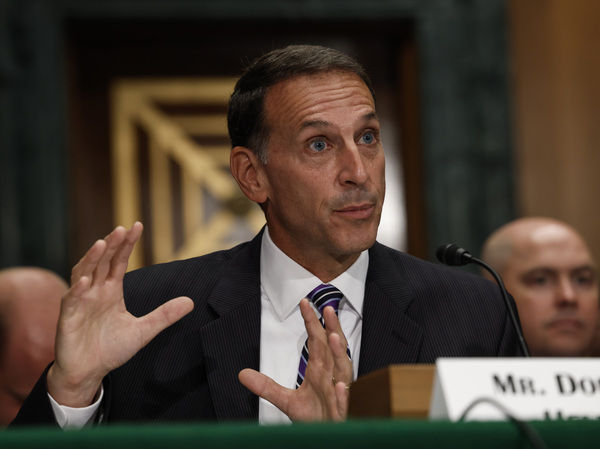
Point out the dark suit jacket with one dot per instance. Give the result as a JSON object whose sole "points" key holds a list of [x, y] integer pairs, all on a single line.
{"points": [[414, 312]]}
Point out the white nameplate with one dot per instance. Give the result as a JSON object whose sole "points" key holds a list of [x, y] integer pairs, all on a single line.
{"points": [[528, 389]]}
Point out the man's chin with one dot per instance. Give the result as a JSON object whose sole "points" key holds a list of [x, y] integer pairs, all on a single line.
{"points": [[568, 348], [355, 243]]}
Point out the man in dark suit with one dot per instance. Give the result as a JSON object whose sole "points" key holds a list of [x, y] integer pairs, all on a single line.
{"points": [[306, 148]]}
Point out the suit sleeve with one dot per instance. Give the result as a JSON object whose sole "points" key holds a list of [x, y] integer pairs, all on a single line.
{"points": [[36, 410]]}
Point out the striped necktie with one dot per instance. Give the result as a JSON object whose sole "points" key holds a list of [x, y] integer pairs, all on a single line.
{"points": [[322, 296]]}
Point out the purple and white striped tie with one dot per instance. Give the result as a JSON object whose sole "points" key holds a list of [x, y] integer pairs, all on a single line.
{"points": [[322, 296]]}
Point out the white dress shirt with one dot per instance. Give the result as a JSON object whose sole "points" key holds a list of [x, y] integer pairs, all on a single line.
{"points": [[282, 334]]}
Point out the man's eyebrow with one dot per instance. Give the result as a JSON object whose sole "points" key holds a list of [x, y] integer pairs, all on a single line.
{"points": [[551, 270], [371, 116], [325, 123], [540, 269], [315, 124], [587, 267]]}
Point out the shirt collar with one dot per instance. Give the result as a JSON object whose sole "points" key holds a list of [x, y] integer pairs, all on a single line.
{"points": [[285, 282]]}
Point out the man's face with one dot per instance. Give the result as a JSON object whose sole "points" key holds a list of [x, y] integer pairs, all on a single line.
{"points": [[325, 176], [553, 281]]}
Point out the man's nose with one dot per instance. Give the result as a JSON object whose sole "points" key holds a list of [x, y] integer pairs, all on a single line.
{"points": [[353, 166], [566, 294]]}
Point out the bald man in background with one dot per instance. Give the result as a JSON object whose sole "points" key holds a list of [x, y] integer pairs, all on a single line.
{"points": [[29, 307], [548, 268]]}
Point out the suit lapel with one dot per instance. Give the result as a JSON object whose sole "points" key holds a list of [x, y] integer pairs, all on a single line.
{"points": [[232, 341], [389, 335]]}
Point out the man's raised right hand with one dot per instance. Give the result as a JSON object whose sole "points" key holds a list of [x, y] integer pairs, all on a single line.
{"points": [[96, 333]]}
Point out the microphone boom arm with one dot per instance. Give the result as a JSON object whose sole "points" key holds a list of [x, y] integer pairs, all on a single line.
{"points": [[513, 317], [454, 255]]}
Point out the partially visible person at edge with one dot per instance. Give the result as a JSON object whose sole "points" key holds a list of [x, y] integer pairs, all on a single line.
{"points": [[549, 270], [29, 306], [306, 147]]}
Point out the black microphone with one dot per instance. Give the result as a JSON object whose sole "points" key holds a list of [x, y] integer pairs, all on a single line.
{"points": [[453, 255]]}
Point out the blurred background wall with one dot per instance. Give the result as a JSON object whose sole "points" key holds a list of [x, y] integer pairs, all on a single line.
{"points": [[555, 111], [489, 109]]}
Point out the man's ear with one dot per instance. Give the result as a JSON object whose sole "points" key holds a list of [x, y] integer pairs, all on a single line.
{"points": [[249, 173]]}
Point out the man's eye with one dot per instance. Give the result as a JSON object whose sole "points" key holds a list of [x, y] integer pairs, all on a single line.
{"points": [[318, 145], [584, 280], [368, 138], [537, 281]]}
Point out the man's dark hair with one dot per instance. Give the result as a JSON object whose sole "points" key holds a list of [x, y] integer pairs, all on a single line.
{"points": [[246, 117]]}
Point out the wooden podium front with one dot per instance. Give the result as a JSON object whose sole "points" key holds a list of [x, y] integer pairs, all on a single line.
{"points": [[399, 391]]}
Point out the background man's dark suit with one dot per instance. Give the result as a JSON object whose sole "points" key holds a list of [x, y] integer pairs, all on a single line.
{"points": [[414, 312]]}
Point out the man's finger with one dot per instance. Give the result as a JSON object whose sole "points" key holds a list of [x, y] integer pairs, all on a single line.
{"points": [[332, 324], [87, 264], [72, 297], [342, 365], [113, 242], [266, 388], [311, 320], [120, 260], [162, 317], [318, 350], [338, 345], [342, 396]]}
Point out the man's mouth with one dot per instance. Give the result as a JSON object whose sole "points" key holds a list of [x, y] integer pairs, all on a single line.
{"points": [[565, 324], [356, 212]]}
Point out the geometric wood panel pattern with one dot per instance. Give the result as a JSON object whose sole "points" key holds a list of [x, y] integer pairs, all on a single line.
{"points": [[170, 159]]}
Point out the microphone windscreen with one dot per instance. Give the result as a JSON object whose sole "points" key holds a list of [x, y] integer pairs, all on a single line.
{"points": [[451, 254]]}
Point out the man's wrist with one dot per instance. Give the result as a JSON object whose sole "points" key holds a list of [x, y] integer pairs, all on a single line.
{"points": [[71, 394]]}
